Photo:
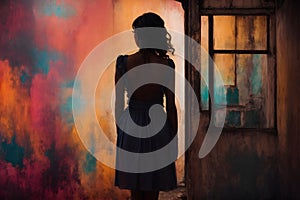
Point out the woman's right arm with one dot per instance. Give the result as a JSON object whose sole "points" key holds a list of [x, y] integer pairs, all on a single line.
{"points": [[170, 102]]}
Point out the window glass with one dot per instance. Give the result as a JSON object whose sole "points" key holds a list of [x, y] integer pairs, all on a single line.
{"points": [[240, 32]]}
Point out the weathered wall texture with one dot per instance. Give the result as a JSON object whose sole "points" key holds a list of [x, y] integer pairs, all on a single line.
{"points": [[243, 164], [256, 165], [42, 44], [288, 75]]}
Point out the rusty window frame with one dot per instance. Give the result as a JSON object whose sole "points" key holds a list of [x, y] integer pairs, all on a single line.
{"points": [[213, 51]]}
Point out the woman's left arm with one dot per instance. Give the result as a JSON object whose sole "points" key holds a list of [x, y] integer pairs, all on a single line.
{"points": [[120, 90]]}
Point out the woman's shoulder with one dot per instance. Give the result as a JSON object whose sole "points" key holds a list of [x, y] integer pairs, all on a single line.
{"points": [[137, 57], [171, 62], [121, 64], [121, 59]]}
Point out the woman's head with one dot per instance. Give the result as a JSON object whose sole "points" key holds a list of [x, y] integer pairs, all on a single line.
{"points": [[148, 20], [156, 38]]}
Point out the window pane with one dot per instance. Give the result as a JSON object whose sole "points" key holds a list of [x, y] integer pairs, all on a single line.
{"points": [[252, 32], [204, 63], [245, 100], [225, 64], [224, 32], [204, 32], [240, 32], [250, 76]]}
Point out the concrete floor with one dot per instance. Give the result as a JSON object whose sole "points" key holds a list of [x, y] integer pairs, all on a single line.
{"points": [[178, 194]]}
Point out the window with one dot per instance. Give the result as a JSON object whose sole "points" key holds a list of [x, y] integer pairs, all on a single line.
{"points": [[240, 48]]}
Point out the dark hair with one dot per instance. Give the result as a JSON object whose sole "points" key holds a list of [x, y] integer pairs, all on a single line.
{"points": [[157, 38]]}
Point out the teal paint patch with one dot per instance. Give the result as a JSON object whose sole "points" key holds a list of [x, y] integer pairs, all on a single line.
{"points": [[204, 97], [24, 77], [253, 119], [12, 152], [68, 84], [66, 111], [42, 59], [256, 75], [232, 96], [78, 102], [61, 10], [220, 95], [233, 119], [89, 165], [66, 107]]}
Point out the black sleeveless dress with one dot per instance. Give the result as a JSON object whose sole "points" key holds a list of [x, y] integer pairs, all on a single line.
{"points": [[163, 179]]}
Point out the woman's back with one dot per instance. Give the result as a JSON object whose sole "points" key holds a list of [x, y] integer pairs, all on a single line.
{"points": [[148, 92]]}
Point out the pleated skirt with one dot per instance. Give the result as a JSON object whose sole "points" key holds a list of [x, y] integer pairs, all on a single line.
{"points": [[163, 179]]}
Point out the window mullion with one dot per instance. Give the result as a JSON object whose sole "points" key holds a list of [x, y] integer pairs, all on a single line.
{"points": [[240, 51], [211, 65]]}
